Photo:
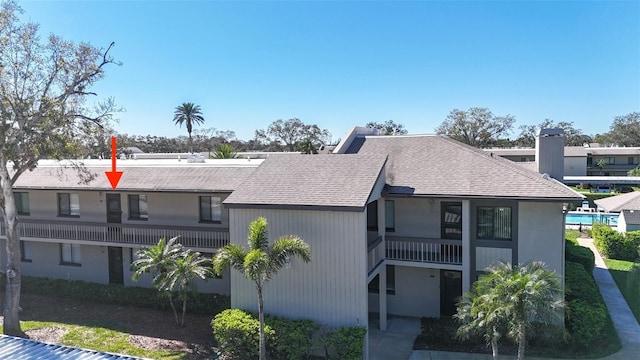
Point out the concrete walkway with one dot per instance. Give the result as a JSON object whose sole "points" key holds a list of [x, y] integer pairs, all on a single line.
{"points": [[623, 320], [394, 343]]}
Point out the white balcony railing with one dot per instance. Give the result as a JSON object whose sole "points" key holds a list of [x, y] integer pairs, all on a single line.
{"points": [[119, 233], [424, 250], [375, 253]]}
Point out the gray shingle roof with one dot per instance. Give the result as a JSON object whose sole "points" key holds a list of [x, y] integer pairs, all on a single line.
{"points": [[628, 201], [194, 178], [631, 217], [300, 181], [13, 348], [435, 165]]}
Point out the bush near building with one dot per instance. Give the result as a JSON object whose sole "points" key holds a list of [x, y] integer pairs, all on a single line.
{"points": [[615, 245], [586, 312], [581, 255]]}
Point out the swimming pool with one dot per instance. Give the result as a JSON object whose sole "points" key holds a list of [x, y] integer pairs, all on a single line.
{"points": [[587, 218]]}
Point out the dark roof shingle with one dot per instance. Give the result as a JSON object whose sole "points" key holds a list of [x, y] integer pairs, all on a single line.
{"points": [[434, 165], [299, 181]]}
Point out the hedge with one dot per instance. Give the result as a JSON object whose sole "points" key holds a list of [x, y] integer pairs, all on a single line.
{"points": [[586, 311], [237, 333], [198, 303], [615, 245], [580, 254]]}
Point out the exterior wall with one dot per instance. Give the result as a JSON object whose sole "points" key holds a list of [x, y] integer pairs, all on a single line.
{"points": [[575, 166], [541, 234], [46, 263], [622, 224], [417, 293], [486, 256], [332, 288], [95, 267], [417, 217], [171, 209]]}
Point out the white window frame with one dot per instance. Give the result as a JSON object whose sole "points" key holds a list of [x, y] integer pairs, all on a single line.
{"points": [[70, 254], [72, 201], [213, 209]]}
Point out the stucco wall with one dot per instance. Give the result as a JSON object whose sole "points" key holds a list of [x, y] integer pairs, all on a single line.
{"points": [[575, 166], [540, 234], [332, 288], [95, 267], [178, 209], [417, 293]]}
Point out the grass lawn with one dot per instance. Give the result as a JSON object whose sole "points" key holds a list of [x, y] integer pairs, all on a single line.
{"points": [[629, 287], [129, 330], [572, 235]]}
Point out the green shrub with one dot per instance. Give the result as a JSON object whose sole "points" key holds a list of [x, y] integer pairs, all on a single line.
{"points": [[292, 338], [586, 314], [580, 254], [586, 320], [345, 343], [199, 303], [238, 335], [615, 245]]}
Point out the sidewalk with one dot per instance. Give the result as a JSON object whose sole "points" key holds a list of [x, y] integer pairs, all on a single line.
{"points": [[624, 322]]}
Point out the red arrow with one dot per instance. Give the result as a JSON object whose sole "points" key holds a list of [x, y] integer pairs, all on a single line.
{"points": [[113, 175]]}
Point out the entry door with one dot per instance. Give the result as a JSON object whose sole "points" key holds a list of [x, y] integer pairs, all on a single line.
{"points": [[450, 291], [116, 275], [114, 209]]}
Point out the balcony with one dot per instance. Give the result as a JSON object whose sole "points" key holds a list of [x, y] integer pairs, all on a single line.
{"points": [[417, 250], [121, 234]]}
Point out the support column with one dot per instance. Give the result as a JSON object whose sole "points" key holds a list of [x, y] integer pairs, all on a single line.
{"points": [[382, 287], [466, 246]]}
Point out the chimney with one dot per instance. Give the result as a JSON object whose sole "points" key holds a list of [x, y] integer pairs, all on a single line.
{"points": [[550, 152]]}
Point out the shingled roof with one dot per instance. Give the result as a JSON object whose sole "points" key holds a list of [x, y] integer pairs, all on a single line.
{"points": [[434, 165], [141, 176], [631, 217], [628, 201], [340, 182]]}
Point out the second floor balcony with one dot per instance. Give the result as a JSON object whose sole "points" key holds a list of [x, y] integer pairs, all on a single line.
{"points": [[413, 249], [122, 234]]}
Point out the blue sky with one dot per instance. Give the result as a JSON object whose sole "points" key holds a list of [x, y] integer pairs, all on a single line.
{"points": [[339, 64]]}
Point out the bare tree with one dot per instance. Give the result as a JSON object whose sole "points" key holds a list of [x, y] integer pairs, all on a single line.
{"points": [[44, 85]]}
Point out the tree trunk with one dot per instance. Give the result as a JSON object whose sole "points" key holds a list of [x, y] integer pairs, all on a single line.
{"points": [[184, 308], [173, 307], [11, 304], [494, 345], [521, 342], [263, 345]]}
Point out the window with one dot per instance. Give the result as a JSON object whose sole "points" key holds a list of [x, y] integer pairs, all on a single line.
{"points": [[451, 221], [609, 160], [494, 223], [138, 207], [70, 254], [22, 203], [632, 160], [390, 217], [374, 285], [210, 209], [68, 204], [25, 251]]}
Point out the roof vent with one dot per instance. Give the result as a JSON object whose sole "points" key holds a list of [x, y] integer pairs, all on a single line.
{"points": [[546, 176], [195, 158]]}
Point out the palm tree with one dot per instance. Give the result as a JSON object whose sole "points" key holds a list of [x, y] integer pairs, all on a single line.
{"points": [[481, 313], [634, 172], [187, 267], [601, 164], [225, 151], [517, 296], [260, 262], [158, 260], [189, 114]]}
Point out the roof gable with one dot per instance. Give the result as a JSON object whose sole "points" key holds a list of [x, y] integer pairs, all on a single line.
{"points": [[433, 165], [339, 182], [628, 201]]}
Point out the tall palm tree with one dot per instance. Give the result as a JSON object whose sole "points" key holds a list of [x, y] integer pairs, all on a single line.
{"points": [[634, 172], [158, 260], [260, 262], [189, 114], [187, 267]]}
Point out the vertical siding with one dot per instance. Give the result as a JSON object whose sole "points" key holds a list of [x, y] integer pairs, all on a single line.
{"points": [[417, 217], [46, 262], [540, 234], [332, 289], [486, 256]]}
